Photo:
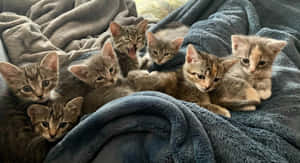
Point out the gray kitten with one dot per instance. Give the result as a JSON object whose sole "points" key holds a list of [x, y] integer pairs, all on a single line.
{"points": [[100, 70], [256, 55], [102, 73], [163, 45], [54, 120], [127, 41], [33, 81]]}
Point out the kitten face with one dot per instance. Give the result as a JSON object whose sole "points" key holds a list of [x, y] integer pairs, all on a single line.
{"points": [[129, 39], [162, 51], [101, 70], [54, 120], [32, 82], [205, 71], [256, 54]]}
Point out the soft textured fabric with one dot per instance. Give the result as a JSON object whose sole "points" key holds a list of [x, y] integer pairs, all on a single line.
{"points": [[65, 26], [153, 127]]}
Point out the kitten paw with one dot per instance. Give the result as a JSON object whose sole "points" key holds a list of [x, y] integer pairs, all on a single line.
{"points": [[247, 108], [264, 94], [225, 113]]}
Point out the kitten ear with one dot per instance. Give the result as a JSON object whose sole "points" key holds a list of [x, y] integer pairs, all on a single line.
{"points": [[79, 71], [151, 38], [228, 63], [109, 51], [237, 41], [50, 62], [276, 45], [9, 71], [177, 43], [36, 111], [142, 26], [74, 107], [191, 54], [115, 29]]}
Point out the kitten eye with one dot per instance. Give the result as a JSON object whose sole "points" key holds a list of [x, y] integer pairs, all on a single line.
{"points": [[166, 54], [202, 77], [155, 52], [261, 63], [216, 79], [45, 124], [245, 60], [27, 89], [100, 78], [111, 70], [62, 125], [45, 83]]}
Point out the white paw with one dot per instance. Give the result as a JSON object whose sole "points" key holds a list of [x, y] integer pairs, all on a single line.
{"points": [[263, 94]]}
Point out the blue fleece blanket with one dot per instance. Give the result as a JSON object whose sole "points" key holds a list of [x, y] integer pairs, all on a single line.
{"points": [[153, 127]]}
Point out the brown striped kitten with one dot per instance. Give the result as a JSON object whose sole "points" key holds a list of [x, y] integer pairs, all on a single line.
{"points": [[33, 81], [127, 41], [100, 70], [54, 120], [256, 55], [161, 49], [164, 44]]}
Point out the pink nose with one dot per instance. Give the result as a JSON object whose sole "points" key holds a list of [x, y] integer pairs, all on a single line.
{"points": [[252, 70]]}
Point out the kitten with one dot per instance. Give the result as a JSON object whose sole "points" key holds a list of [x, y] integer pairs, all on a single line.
{"points": [[33, 81], [100, 70], [164, 44], [256, 55], [161, 50], [200, 74], [54, 120], [208, 73], [127, 41], [102, 73]]}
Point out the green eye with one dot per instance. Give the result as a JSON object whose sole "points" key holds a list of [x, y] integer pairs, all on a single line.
{"points": [[45, 83], [45, 124], [111, 70], [202, 77], [27, 88], [216, 79], [261, 63], [62, 125]]}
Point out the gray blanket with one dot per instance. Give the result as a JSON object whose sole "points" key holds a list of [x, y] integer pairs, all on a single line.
{"points": [[153, 127]]}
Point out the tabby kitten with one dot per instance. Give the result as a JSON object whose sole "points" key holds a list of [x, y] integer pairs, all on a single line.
{"points": [[208, 73], [161, 50], [256, 55], [164, 44], [33, 81], [102, 73], [127, 41], [100, 70], [54, 120]]}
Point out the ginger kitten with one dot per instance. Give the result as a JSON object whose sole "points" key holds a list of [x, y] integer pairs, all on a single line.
{"points": [[33, 81], [127, 41], [54, 120], [256, 55]]}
